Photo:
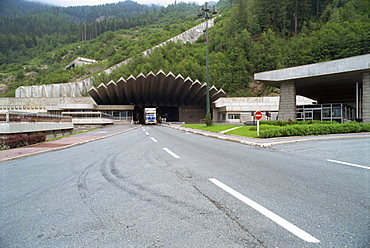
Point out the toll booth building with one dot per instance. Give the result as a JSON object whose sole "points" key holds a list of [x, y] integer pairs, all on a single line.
{"points": [[242, 109], [340, 87]]}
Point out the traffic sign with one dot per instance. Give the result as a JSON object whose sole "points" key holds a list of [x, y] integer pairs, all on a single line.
{"points": [[258, 115]]}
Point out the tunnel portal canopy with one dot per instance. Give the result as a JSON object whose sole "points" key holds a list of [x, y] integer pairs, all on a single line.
{"points": [[328, 82], [154, 90]]}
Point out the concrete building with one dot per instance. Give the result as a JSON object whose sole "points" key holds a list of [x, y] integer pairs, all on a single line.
{"points": [[80, 62], [242, 109], [343, 81]]}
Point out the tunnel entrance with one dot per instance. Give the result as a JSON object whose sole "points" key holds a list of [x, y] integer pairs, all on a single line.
{"points": [[165, 114]]}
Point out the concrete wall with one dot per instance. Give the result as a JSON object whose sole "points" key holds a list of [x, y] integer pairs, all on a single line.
{"points": [[287, 104], [366, 97], [27, 127], [191, 115], [40, 104], [75, 89]]}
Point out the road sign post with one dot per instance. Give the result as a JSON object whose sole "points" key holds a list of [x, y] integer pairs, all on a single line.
{"points": [[258, 116]]}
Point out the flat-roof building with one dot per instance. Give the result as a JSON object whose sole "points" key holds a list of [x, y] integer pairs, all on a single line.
{"points": [[345, 81]]}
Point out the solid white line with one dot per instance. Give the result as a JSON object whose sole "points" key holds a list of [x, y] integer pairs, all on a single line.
{"points": [[355, 165], [274, 217], [231, 129], [154, 140], [146, 133], [171, 153]]}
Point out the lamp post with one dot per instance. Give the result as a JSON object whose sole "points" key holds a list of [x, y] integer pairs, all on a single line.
{"points": [[206, 11]]}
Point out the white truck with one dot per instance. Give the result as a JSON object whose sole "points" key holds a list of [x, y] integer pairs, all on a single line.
{"points": [[150, 115]]}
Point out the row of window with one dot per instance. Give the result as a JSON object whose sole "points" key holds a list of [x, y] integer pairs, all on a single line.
{"points": [[230, 117], [13, 116]]}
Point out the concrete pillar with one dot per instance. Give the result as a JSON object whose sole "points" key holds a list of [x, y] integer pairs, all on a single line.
{"points": [[366, 97], [287, 103]]}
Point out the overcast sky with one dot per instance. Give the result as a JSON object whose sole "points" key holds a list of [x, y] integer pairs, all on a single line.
{"points": [[66, 3]]}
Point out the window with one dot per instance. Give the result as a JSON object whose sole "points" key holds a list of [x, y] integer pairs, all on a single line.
{"points": [[308, 115], [234, 116], [326, 112], [337, 112]]}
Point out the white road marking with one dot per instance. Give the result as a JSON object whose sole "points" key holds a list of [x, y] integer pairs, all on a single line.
{"points": [[355, 165], [171, 153], [231, 129], [154, 140], [146, 133], [272, 216]]}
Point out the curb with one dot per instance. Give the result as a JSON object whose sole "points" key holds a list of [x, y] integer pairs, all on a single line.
{"points": [[263, 145], [221, 136], [66, 146]]}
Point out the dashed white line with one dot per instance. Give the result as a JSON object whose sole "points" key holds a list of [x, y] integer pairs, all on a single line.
{"points": [[171, 153], [146, 133], [350, 164], [154, 140], [272, 216]]}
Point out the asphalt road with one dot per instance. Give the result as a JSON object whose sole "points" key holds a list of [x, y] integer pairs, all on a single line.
{"points": [[159, 187]]}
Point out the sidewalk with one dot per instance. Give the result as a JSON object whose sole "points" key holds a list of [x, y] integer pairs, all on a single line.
{"points": [[260, 142], [65, 142]]}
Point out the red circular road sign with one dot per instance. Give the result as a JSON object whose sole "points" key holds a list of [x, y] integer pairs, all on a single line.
{"points": [[258, 115]]}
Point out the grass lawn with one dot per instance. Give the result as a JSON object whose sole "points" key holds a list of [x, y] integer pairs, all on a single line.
{"points": [[56, 138], [247, 131]]}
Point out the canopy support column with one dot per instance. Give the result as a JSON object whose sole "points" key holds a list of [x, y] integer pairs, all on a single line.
{"points": [[287, 103]]}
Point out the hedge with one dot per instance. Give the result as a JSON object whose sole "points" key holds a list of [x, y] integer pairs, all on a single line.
{"points": [[290, 122], [315, 129], [19, 140]]}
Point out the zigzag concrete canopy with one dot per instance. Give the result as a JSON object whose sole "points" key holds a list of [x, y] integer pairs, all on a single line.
{"points": [[154, 90]]}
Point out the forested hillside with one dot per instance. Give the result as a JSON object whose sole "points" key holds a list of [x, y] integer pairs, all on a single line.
{"points": [[254, 36], [250, 36]]}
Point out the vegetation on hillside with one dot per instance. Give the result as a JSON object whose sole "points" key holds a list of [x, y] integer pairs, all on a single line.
{"points": [[250, 36]]}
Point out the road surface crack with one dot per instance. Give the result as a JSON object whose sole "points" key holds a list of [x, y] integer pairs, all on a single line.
{"points": [[229, 213]]}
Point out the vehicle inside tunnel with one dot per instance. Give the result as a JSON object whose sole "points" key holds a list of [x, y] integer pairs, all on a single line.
{"points": [[163, 114]]}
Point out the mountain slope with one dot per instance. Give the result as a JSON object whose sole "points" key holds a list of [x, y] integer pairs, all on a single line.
{"points": [[246, 39]]}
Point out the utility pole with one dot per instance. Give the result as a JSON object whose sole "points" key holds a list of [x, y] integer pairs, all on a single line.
{"points": [[206, 11]]}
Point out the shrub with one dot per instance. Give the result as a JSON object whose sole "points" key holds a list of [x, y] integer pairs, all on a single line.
{"points": [[315, 128], [19, 140], [36, 138], [209, 121], [16, 140]]}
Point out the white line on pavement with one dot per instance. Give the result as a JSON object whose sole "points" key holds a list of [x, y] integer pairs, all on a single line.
{"points": [[154, 140], [231, 129], [272, 216], [355, 165], [146, 133], [171, 153]]}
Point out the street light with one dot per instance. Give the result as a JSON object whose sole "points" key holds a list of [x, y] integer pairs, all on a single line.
{"points": [[206, 11]]}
